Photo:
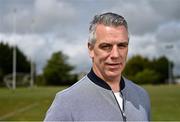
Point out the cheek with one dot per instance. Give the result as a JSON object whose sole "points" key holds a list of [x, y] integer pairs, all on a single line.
{"points": [[100, 56], [124, 53]]}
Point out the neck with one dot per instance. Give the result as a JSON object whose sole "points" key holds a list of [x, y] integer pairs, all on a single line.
{"points": [[115, 85], [113, 82]]}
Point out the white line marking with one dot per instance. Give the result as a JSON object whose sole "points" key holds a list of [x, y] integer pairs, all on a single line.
{"points": [[18, 111]]}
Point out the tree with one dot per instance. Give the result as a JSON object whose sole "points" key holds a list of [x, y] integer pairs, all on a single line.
{"points": [[57, 71], [142, 70], [136, 64], [6, 56], [160, 65], [147, 76], [5, 59]]}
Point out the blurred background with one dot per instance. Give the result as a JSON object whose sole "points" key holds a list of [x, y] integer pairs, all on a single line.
{"points": [[43, 50]]}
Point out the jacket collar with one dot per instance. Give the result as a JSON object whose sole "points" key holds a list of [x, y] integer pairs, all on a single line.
{"points": [[98, 81]]}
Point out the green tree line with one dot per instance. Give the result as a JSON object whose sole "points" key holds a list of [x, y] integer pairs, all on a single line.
{"points": [[58, 71], [6, 63], [145, 71]]}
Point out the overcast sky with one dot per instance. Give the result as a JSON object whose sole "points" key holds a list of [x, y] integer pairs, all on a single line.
{"points": [[42, 27]]}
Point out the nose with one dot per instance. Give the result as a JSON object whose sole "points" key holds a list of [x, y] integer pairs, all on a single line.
{"points": [[115, 52]]}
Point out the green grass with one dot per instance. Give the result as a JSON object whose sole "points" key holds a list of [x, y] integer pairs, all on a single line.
{"points": [[26, 103], [32, 104], [165, 102]]}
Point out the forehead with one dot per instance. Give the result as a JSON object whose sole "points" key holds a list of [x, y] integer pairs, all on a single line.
{"points": [[111, 34]]}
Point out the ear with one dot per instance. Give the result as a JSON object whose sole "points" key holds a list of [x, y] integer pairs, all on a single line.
{"points": [[91, 50]]}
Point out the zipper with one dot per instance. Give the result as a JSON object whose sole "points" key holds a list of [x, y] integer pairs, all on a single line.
{"points": [[123, 102], [122, 111]]}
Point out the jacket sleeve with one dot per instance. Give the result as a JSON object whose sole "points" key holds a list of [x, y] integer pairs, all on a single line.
{"points": [[59, 110]]}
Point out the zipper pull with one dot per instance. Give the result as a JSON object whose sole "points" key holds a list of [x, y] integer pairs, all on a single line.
{"points": [[124, 116]]}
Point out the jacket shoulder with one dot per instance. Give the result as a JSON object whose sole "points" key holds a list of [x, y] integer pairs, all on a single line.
{"points": [[135, 87], [63, 102]]}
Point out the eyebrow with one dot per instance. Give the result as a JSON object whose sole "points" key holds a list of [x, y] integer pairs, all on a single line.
{"points": [[122, 42]]}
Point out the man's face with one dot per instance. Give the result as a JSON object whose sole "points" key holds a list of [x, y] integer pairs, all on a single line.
{"points": [[109, 52]]}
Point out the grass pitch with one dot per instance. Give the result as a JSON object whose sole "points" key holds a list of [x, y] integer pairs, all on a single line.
{"points": [[31, 104]]}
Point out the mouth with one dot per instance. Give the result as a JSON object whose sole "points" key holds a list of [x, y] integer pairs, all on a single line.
{"points": [[114, 65]]}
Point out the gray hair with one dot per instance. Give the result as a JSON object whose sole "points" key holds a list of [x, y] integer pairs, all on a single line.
{"points": [[107, 19]]}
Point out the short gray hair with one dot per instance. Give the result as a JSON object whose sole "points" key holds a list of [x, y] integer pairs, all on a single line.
{"points": [[107, 19]]}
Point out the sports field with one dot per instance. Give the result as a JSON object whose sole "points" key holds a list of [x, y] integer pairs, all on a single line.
{"points": [[31, 104]]}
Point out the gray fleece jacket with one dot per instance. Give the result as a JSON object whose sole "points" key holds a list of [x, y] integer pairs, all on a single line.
{"points": [[91, 99]]}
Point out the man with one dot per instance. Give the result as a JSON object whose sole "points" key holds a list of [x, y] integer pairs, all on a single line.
{"points": [[103, 94]]}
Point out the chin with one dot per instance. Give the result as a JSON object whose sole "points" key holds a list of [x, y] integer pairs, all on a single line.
{"points": [[113, 74]]}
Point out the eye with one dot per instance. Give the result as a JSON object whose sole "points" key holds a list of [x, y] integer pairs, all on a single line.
{"points": [[123, 45], [105, 46]]}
